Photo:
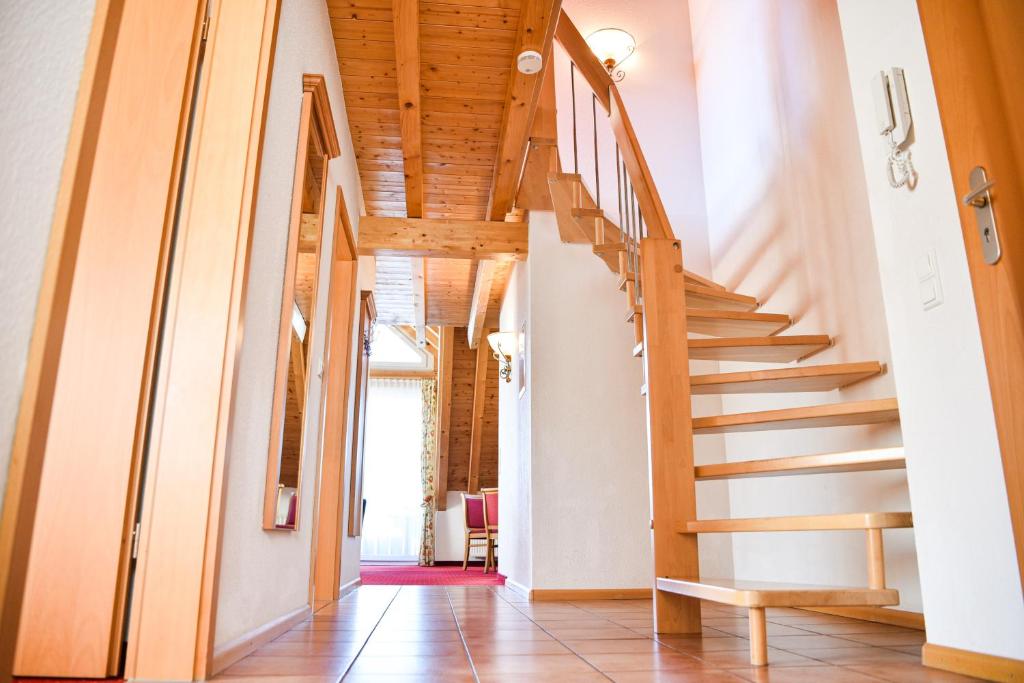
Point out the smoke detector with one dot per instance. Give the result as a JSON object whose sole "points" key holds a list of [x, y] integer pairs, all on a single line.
{"points": [[529, 62]]}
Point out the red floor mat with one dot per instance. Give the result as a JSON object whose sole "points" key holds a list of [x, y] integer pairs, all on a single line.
{"points": [[411, 575]]}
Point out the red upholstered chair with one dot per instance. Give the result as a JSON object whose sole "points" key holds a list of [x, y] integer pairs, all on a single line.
{"points": [[289, 521], [476, 525], [491, 524]]}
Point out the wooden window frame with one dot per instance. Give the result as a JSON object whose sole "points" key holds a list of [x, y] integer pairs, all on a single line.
{"points": [[316, 123]]}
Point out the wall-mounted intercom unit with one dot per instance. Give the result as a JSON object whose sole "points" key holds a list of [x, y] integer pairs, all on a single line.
{"points": [[892, 117]]}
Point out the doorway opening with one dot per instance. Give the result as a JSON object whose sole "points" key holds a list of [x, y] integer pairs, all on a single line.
{"points": [[400, 530]]}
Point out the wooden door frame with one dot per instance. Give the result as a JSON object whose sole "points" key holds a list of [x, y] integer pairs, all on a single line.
{"points": [[27, 451], [90, 170], [174, 596], [329, 502], [976, 109]]}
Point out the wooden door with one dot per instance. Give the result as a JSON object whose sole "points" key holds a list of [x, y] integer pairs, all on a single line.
{"points": [[974, 47], [79, 558], [367, 315]]}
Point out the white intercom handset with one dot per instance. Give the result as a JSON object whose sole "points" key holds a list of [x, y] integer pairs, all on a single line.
{"points": [[892, 115]]}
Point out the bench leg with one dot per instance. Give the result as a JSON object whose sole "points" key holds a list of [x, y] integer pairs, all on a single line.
{"points": [[758, 637]]}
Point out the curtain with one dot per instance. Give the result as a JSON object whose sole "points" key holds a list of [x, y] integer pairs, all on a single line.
{"points": [[429, 391], [391, 470]]}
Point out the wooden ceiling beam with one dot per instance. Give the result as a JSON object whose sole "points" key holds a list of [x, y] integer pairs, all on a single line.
{"points": [[481, 297], [536, 30], [419, 300], [407, 56], [442, 238]]}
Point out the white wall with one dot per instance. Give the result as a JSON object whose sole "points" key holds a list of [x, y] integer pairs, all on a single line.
{"points": [[586, 461], [789, 223], [969, 579], [42, 52], [515, 504], [265, 574], [449, 531], [660, 94]]}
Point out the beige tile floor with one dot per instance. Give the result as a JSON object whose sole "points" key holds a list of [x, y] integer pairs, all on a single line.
{"points": [[381, 634]]}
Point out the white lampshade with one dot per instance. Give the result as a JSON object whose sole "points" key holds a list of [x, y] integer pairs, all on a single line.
{"points": [[612, 46], [503, 343]]}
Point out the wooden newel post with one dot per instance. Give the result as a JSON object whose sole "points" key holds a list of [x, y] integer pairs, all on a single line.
{"points": [[669, 430]]}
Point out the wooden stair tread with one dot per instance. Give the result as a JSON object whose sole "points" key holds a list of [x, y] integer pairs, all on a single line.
{"points": [[822, 463], [698, 296], [769, 594], [609, 248], [827, 415], [849, 521], [702, 281], [560, 186], [811, 378], [735, 323], [588, 213], [778, 349]]}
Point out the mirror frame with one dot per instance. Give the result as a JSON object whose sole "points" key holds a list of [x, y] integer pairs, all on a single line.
{"points": [[315, 120]]}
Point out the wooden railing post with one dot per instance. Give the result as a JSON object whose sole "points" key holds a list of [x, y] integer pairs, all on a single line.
{"points": [[669, 430]]}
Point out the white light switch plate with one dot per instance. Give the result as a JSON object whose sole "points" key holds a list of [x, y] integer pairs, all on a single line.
{"points": [[929, 285]]}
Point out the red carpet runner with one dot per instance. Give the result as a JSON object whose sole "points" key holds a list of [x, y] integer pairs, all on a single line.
{"points": [[411, 575]]}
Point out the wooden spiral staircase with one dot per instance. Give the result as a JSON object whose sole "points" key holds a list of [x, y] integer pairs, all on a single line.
{"points": [[665, 304]]}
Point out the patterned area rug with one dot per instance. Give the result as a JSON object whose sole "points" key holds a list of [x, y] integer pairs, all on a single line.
{"points": [[411, 575]]}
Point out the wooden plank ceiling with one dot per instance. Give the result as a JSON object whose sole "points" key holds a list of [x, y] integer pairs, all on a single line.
{"points": [[466, 56], [455, 71]]}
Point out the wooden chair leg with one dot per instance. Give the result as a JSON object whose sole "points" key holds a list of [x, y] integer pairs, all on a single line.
{"points": [[465, 559], [758, 637]]}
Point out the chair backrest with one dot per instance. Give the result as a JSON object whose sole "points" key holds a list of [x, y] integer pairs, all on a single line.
{"points": [[490, 508], [473, 511]]}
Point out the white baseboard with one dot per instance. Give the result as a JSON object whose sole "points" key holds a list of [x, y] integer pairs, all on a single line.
{"points": [[517, 588], [227, 654], [349, 587]]}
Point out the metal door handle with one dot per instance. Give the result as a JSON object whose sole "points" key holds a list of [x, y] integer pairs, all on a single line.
{"points": [[978, 196], [984, 216]]}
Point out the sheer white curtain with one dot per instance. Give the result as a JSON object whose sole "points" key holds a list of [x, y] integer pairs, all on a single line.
{"points": [[391, 470]]}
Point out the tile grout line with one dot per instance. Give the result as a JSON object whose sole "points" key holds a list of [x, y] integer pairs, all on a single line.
{"points": [[555, 638], [462, 636], [370, 634]]}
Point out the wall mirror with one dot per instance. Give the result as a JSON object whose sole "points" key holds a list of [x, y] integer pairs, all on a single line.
{"points": [[296, 342]]}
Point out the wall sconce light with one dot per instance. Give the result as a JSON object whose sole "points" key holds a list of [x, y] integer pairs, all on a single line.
{"points": [[612, 46], [503, 344]]}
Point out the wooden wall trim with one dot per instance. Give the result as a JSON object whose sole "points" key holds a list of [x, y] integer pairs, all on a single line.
{"points": [[563, 594], [27, 451], [175, 590], [967, 663], [880, 615], [232, 651]]}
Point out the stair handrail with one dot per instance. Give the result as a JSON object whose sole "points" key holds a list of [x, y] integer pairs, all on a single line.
{"points": [[651, 207]]}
